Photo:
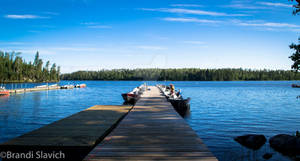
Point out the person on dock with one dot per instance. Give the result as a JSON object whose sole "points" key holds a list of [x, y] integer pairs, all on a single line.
{"points": [[178, 93], [172, 90], [136, 90]]}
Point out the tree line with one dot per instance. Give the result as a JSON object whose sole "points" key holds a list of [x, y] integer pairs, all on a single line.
{"points": [[186, 74], [13, 68]]}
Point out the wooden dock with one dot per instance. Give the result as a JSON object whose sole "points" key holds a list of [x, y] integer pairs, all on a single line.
{"points": [[153, 130], [74, 136], [25, 90], [45, 88]]}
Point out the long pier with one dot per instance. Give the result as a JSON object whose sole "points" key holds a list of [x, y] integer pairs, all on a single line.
{"points": [[24, 90], [153, 130], [44, 88]]}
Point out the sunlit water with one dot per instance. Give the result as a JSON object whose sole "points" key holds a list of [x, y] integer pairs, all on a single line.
{"points": [[219, 110]]}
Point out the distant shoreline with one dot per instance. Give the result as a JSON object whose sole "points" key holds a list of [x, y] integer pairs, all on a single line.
{"points": [[183, 74], [187, 80], [10, 82], [153, 81]]}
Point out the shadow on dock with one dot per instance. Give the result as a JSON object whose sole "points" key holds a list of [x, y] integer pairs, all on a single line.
{"points": [[71, 138]]}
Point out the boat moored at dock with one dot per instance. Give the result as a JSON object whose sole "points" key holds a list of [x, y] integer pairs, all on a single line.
{"points": [[67, 87], [133, 96], [80, 86], [4, 92], [130, 98], [181, 105]]}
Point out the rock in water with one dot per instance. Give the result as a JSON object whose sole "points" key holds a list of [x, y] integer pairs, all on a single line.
{"points": [[286, 144], [251, 141], [267, 156]]}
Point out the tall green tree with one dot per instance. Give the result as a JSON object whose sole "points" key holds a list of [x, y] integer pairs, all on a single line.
{"points": [[58, 72], [296, 55], [297, 7], [46, 74], [14, 69], [53, 72]]}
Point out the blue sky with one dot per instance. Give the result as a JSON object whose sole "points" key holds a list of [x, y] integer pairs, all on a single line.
{"points": [[98, 34]]}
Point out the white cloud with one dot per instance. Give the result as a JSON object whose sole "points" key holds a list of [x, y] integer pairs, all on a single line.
{"points": [[186, 5], [32, 51], [51, 13], [173, 19], [89, 23], [34, 31], [275, 4], [296, 30], [146, 47], [95, 25], [194, 42], [43, 26], [197, 12], [99, 26], [244, 6], [257, 5], [12, 43], [77, 49], [267, 24], [24, 17], [191, 11], [155, 36]]}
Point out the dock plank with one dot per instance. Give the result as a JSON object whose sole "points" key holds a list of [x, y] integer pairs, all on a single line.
{"points": [[153, 130], [75, 135]]}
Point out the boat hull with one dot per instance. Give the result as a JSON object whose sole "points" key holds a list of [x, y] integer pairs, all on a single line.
{"points": [[182, 106], [4, 93], [80, 86], [130, 98], [67, 87]]}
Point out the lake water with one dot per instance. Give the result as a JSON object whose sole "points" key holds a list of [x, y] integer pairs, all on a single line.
{"points": [[219, 110]]}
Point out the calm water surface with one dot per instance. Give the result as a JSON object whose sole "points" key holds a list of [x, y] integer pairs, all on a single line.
{"points": [[219, 110]]}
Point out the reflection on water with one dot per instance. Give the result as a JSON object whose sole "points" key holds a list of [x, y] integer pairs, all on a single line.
{"points": [[220, 111]]}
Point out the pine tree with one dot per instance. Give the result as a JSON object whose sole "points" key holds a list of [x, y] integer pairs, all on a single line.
{"points": [[296, 56]]}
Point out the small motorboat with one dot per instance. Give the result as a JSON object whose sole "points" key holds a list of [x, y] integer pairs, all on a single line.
{"points": [[4, 92], [67, 87], [133, 96], [295, 85], [181, 105], [130, 98], [80, 86]]}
